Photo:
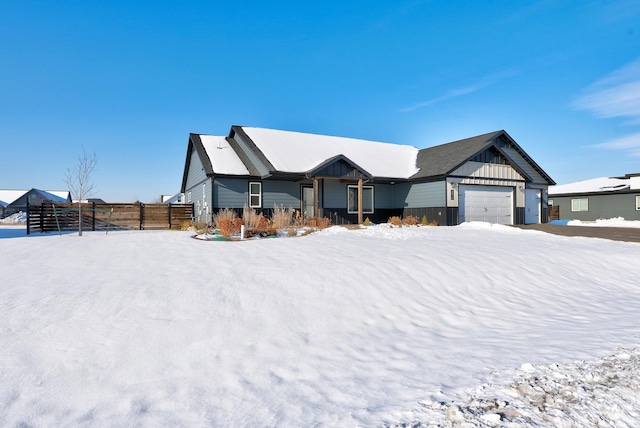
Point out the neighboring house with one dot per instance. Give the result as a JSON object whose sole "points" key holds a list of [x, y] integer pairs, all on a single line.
{"points": [[178, 198], [483, 178], [598, 198], [20, 198]]}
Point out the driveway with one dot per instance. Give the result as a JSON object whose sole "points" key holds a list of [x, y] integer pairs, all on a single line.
{"points": [[628, 234]]}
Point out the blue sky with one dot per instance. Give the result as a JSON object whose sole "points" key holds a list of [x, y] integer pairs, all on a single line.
{"points": [[130, 80]]}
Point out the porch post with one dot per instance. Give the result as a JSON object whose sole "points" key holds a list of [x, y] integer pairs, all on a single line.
{"points": [[360, 220], [316, 204]]}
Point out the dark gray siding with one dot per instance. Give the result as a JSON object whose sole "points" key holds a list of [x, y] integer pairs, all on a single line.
{"points": [[196, 174], [230, 192], [600, 206], [382, 196], [421, 195], [285, 193], [335, 194]]}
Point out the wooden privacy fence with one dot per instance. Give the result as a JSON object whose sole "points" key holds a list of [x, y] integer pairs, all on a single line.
{"points": [[53, 217]]}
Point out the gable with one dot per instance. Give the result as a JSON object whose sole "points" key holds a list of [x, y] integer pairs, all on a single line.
{"points": [[487, 170], [493, 148], [338, 167]]}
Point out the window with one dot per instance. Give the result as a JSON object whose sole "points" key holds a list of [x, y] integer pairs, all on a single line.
{"points": [[581, 204], [637, 203], [189, 197], [255, 195], [550, 202], [367, 199]]}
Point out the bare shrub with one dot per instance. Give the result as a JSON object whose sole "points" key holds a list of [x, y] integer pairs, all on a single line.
{"points": [[433, 223], [223, 214], [282, 217], [410, 220]]}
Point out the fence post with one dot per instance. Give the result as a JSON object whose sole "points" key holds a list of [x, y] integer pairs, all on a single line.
{"points": [[93, 216], [41, 218], [28, 211], [141, 216], [169, 213]]}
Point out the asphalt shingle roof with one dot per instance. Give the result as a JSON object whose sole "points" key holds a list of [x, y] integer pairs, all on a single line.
{"points": [[440, 160]]}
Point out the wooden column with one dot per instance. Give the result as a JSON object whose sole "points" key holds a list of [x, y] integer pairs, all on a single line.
{"points": [[360, 220], [316, 203]]}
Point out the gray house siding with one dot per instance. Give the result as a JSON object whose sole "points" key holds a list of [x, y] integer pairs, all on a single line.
{"points": [[231, 192], [601, 206], [196, 174], [285, 193], [421, 195]]}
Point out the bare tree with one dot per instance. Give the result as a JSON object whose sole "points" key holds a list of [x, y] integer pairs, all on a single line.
{"points": [[79, 181]]}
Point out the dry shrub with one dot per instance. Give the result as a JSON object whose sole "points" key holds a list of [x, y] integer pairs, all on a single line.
{"points": [[433, 223], [282, 217], [229, 227], [185, 225], [223, 214], [410, 220], [395, 220], [424, 220], [250, 217], [260, 233], [319, 222]]}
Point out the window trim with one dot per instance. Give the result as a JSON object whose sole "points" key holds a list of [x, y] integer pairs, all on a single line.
{"points": [[258, 195], [355, 186], [638, 203], [581, 207]]}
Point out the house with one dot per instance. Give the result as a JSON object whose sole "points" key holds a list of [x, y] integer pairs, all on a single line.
{"points": [[598, 198], [17, 200], [484, 178], [178, 198]]}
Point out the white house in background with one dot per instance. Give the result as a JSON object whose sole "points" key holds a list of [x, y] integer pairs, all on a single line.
{"points": [[178, 198], [598, 198], [484, 178]]}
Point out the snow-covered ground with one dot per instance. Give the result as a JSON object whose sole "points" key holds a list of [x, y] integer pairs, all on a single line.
{"points": [[610, 222], [420, 326]]}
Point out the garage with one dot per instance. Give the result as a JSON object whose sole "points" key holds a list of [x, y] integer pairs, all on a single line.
{"points": [[492, 204]]}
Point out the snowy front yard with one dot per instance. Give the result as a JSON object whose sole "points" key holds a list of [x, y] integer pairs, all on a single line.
{"points": [[380, 326]]}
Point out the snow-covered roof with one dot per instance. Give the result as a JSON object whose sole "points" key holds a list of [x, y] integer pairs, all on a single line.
{"points": [[300, 152], [224, 159], [8, 196], [594, 185]]}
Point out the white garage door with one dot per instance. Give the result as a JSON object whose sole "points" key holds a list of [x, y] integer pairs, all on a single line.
{"points": [[486, 203]]}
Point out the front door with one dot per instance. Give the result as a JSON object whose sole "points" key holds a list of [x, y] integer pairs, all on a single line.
{"points": [[308, 204]]}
